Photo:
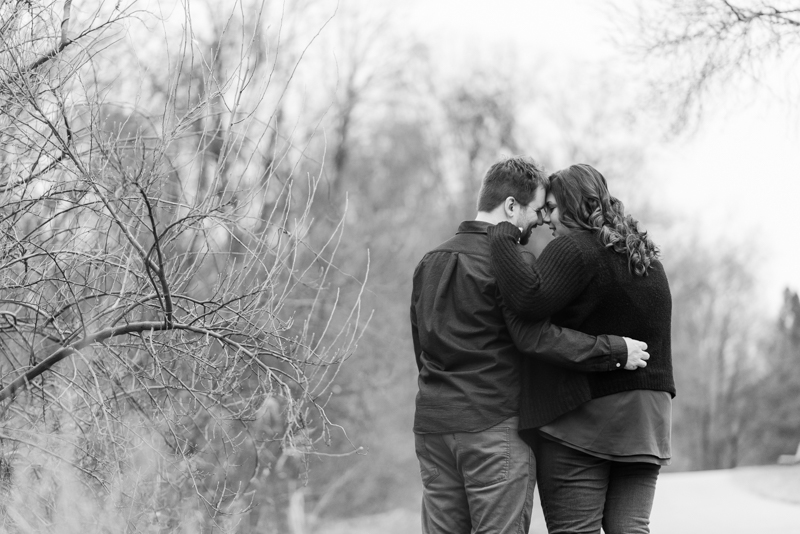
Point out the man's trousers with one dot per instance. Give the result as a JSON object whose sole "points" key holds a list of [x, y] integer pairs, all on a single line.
{"points": [[476, 482]]}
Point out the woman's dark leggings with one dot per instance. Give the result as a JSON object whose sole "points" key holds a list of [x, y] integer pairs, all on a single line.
{"points": [[580, 492]]}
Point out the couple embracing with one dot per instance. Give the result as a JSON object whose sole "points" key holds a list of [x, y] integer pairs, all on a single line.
{"points": [[556, 368]]}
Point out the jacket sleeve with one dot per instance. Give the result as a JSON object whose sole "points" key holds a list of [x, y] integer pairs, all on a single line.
{"points": [[415, 338], [540, 287], [414, 327], [566, 348]]}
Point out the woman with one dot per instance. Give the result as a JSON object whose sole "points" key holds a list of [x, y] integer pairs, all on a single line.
{"points": [[599, 438]]}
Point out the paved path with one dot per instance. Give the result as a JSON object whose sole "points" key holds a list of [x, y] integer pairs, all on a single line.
{"points": [[751, 500]]}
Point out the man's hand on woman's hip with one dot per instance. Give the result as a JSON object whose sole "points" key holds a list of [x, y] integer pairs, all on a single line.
{"points": [[637, 355]]}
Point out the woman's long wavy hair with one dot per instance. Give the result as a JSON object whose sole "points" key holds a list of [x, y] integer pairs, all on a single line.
{"points": [[584, 202]]}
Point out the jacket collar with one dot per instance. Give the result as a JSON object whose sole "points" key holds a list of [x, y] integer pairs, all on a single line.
{"points": [[473, 227]]}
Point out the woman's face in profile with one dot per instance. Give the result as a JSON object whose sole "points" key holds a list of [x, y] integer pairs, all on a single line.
{"points": [[552, 217]]}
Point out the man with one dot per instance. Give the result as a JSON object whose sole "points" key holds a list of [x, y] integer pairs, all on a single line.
{"points": [[478, 474]]}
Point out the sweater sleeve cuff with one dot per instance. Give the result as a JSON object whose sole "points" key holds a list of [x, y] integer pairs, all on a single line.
{"points": [[619, 353], [504, 229]]}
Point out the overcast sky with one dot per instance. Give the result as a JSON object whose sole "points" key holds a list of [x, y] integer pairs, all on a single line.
{"points": [[735, 177]]}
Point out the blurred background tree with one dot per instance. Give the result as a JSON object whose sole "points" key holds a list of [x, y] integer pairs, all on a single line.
{"points": [[706, 47]]}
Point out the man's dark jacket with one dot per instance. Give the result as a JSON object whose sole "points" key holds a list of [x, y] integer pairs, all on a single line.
{"points": [[469, 347]]}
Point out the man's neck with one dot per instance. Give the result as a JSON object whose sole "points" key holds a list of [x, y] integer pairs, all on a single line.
{"points": [[491, 217]]}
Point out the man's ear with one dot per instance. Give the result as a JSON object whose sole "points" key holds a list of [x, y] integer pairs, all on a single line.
{"points": [[510, 207]]}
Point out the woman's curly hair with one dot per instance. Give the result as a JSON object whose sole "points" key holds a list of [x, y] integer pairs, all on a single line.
{"points": [[584, 202]]}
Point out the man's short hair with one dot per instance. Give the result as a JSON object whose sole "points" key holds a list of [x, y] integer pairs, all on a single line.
{"points": [[516, 176]]}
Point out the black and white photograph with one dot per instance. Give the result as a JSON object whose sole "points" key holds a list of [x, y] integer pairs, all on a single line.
{"points": [[420, 267]]}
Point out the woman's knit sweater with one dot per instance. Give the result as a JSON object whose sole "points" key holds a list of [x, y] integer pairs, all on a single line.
{"points": [[581, 284]]}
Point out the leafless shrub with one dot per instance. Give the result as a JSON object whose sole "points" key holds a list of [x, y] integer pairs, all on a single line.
{"points": [[164, 350]]}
